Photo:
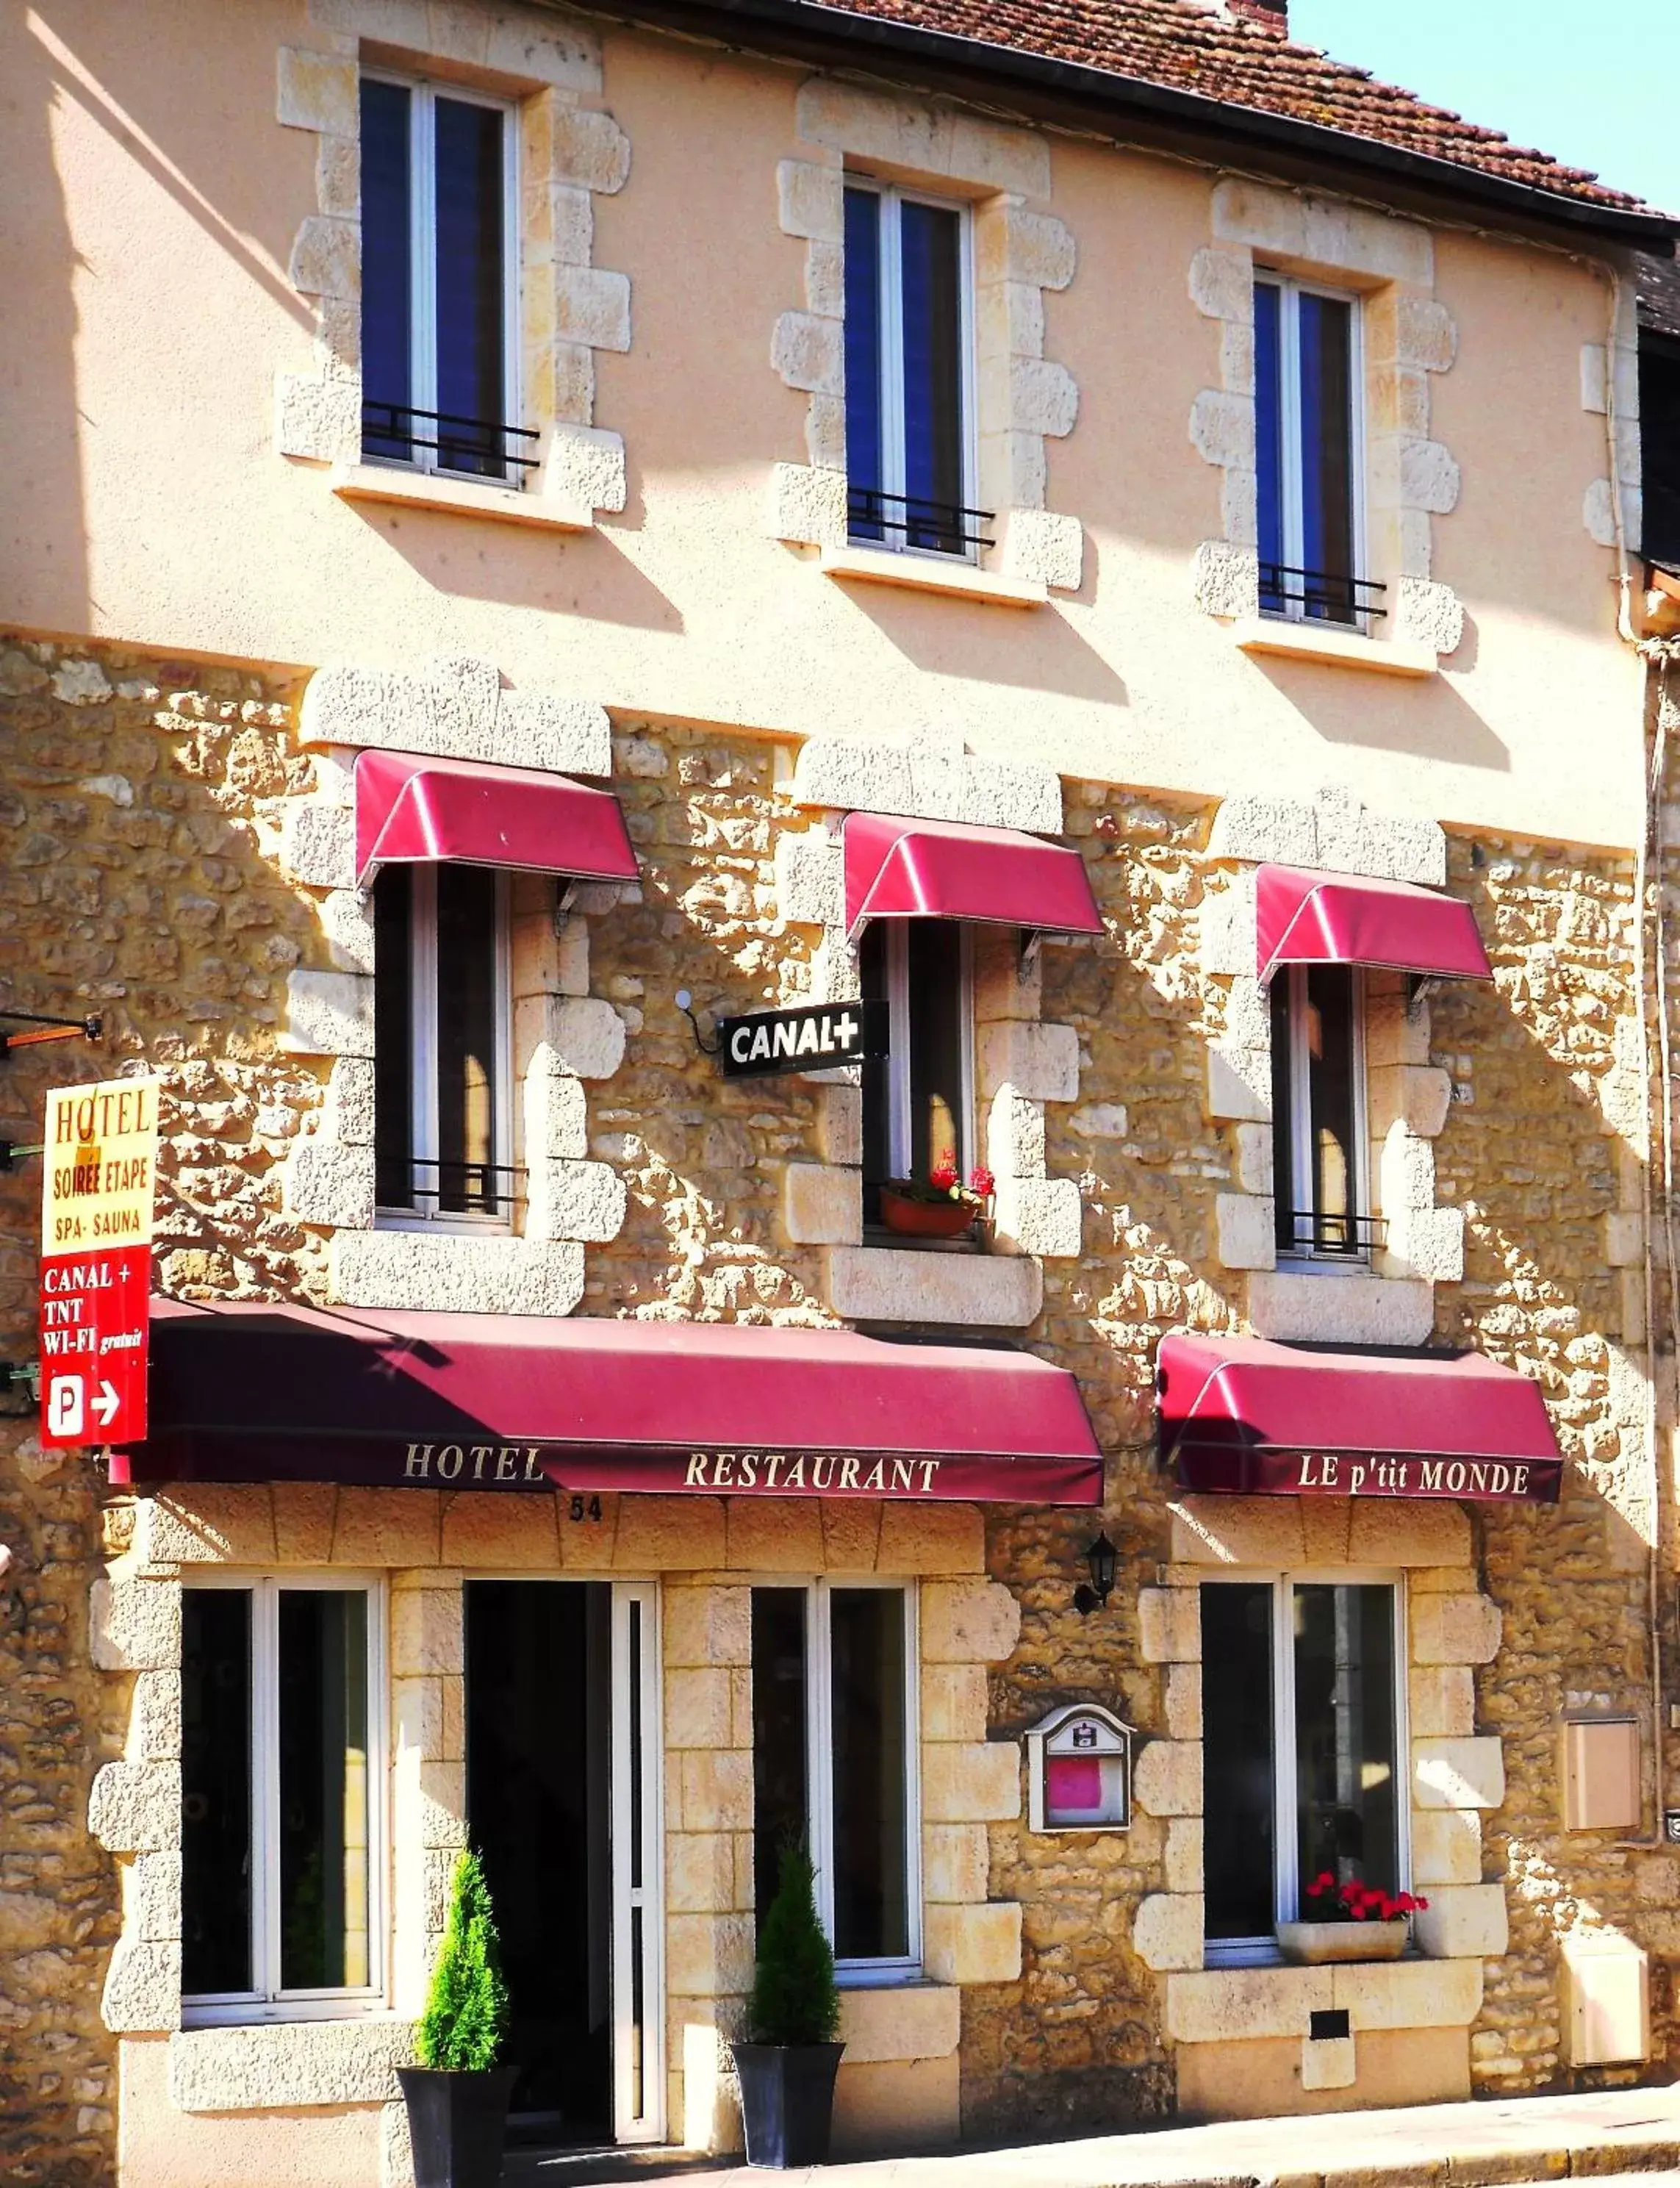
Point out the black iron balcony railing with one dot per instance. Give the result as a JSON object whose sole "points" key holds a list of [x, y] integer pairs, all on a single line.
{"points": [[418, 1185], [482, 446], [945, 526], [1309, 1231], [1322, 596]]}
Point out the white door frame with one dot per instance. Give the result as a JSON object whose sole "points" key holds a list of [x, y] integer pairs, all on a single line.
{"points": [[638, 1866]]}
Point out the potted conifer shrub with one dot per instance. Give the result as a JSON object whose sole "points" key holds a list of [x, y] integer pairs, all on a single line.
{"points": [[457, 2096], [788, 2064]]}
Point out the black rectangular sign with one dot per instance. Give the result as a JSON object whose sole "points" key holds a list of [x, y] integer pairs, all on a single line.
{"points": [[816, 1037]]}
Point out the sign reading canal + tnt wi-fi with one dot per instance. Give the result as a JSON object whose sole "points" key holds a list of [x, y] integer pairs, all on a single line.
{"points": [[96, 1260]]}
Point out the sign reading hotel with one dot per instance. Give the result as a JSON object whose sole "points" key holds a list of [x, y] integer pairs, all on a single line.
{"points": [[814, 1037], [100, 1167]]}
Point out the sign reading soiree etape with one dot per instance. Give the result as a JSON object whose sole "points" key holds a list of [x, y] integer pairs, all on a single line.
{"points": [[97, 1195]]}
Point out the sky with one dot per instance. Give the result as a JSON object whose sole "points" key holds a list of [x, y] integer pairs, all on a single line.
{"points": [[1572, 78]]}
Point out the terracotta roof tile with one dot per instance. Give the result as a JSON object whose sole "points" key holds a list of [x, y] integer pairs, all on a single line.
{"points": [[1186, 47]]}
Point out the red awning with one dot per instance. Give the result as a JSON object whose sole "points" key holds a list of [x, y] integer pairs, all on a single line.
{"points": [[251, 1393], [421, 812], [1341, 919], [940, 870], [1247, 1417]]}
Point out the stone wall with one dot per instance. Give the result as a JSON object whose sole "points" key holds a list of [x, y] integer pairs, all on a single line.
{"points": [[135, 880], [1543, 1148], [144, 876]]}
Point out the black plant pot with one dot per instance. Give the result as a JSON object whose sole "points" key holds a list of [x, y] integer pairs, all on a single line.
{"points": [[457, 2123], [787, 2100]]}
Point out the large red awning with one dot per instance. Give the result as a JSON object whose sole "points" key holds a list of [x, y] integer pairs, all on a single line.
{"points": [[1342, 919], [251, 1393], [1247, 1416], [899, 869], [412, 811]]}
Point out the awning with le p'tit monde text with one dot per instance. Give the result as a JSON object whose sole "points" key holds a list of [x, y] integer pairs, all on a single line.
{"points": [[1250, 1416]]}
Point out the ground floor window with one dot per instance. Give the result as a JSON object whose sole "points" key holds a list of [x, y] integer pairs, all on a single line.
{"points": [[834, 1761], [1303, 1721], [280, 1780]]}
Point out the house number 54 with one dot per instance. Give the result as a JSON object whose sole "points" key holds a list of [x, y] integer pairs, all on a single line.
{"points": [[583, 1508]]}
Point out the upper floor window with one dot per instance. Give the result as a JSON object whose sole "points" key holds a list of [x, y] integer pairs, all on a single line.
{"points": [[281, 1794], [909, 459], [441, 1043], [1303, 1741], [1659, 445], [1318, 1112], [918, 1102], [834, 1733], [1308, 454], [439, 290]]}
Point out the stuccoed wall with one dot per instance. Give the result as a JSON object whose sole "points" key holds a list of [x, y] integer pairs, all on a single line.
{"points": [[134, 881]]}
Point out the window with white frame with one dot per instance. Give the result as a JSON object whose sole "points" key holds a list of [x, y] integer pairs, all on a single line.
{"points": [[282, 1800], [1303, 1734], [1309, 455], [1318, 1112], [834, 1749], [442, 1123], [439, 281], [918, 1101], [909, 455]]}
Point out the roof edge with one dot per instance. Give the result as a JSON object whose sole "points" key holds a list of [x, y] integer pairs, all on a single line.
{"points": [[823, 35]]}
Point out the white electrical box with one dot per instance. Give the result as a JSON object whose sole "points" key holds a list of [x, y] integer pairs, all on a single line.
{"points": [[1601, 1774], [1607, 1999], [1079, 1771]]}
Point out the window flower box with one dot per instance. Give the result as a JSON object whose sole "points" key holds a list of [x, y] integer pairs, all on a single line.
{"points": [[1316, 1944], [925, 1219], [944, 1207], [1357, 1922]]}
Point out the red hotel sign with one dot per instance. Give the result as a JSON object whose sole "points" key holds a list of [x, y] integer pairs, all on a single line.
{"points": [[96, 1260]]}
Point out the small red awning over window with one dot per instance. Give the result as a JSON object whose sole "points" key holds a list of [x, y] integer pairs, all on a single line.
{"points": [[1247, 1417], [1341, 919], [898, 869], [414, 811], [248, 1393]]}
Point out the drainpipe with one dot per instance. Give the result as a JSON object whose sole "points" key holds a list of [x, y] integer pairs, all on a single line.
{"points": [[1650, 842]]}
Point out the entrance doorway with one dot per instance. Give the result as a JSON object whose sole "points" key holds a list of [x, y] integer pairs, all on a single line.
{"points": [[562, 1805]]}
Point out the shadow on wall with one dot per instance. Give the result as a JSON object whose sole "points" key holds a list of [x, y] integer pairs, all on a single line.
{"points": [[1425, 718], [39, 422], [586, 575], [1031, 649]]}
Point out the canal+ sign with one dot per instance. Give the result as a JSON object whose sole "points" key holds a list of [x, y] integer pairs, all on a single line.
{"points": [[816, 1037]]}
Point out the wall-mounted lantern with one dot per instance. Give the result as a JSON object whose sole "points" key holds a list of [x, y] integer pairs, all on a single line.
{"points": [[1102, 1562], [1079, 1771]]}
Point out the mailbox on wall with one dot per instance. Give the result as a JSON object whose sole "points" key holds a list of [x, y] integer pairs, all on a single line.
{"points": [[1079, 1771]]}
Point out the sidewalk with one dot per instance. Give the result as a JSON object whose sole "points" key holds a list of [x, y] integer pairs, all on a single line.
{"points": [[1605, 2134]]}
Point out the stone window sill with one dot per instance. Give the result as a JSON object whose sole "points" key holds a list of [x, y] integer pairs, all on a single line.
{"points": [[1220, 2005], [1338, 649], [883, 1284], [926, 573], [463, 497]]}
